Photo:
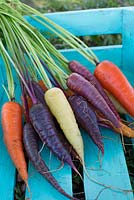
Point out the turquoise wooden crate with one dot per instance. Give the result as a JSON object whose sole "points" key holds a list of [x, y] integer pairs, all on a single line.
{"points": [[113, 170]]}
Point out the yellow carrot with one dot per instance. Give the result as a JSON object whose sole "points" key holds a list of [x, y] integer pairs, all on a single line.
{"points": [[62, 111]]}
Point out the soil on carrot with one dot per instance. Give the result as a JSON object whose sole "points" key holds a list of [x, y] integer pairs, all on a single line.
{"points": [[77, 183], [19, 192], [130, 158]]}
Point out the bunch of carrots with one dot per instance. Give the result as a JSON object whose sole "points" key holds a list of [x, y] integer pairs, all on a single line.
{"points": [[56, 106], [40, 104]]}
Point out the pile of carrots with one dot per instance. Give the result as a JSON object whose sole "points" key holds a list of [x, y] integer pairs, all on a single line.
{"points": [[85, 104], [58, 105]]}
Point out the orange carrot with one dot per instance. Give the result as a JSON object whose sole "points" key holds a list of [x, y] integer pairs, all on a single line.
{"points": [[29, 101], [125, 130], [12, 130], [113, 80], [69, 92], [41, 83]]}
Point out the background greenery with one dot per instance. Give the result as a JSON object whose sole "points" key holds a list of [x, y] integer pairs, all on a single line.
{"points": [[65, 5]]}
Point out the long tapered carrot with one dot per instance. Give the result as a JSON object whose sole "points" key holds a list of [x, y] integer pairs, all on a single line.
{"points": [[30, 139], [62, 111], [12, 132], [114, 81], [84, 88], [77, 67]]}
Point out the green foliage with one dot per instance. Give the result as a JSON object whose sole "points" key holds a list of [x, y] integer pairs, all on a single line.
{"points": [[65, 5]]}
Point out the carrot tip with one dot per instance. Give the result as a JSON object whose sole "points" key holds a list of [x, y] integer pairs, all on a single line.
{"points": [[29, 191]]}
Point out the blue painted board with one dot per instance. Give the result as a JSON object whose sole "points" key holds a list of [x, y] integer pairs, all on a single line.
{"points": [[86, 22], [128, 39], [113, 169], [112, 53], [40, 188]]}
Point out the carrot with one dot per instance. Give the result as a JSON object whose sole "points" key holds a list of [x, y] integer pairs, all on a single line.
{"points": [[39, 91], [113, 80], [68, 92], [42, 121], [43, 86], [12, 130], [62, 111], [83, 71], [68, 146], [29, 102], [30, 139], [125, 130], [84, 88], [117, 105], [87, 119]]}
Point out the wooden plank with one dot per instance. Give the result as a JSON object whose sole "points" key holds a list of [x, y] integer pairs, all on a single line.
{"points": [[128, 39], [7, 170], [41, 189], [113, 170], [128, 46], [112, 53], [86, 22]]}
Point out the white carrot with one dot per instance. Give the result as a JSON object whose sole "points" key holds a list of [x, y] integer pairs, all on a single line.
{"points": [[62, 111]]}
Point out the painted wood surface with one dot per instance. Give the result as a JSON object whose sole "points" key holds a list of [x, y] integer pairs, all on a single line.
{"points": [[112, 53], [128, 39], [110, 170], [40, 188], [86, 22]]}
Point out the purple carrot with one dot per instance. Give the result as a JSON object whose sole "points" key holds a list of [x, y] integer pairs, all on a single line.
{"points": [[86, 119], [84, 88], [39, 92], [24, 102], [42, 121], [101, 124], [30, 140], [83, 71]]}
